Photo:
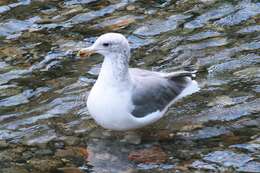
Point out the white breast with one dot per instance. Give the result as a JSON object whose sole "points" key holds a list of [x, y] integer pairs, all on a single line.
{"points": [[110, 107]]}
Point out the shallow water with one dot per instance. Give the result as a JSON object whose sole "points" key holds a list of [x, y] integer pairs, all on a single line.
{"points": [[45, 126]]}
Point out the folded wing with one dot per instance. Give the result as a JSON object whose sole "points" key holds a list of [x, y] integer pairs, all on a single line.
{"points": [[154, 91]]}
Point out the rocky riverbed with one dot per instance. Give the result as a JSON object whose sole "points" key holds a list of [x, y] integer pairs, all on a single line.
{"points": [[45, 126]]}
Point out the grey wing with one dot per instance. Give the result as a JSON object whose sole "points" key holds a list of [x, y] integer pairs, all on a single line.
{"points": [[152, 91]]}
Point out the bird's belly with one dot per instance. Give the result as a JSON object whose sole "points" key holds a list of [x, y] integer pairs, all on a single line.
{"points": [[109, 108]]}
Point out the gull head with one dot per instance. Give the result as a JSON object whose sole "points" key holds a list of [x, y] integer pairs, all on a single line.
{"points": [[107, 44]]}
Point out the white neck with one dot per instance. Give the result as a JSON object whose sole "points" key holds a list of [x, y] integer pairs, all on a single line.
{"points": [[114, 70]]}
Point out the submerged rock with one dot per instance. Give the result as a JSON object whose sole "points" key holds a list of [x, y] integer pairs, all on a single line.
{"points": [[148, 155], [16, 26], [249, 29], [252, 167], [71, 140], [70, 170], [132, 138], [251, 72], [156, 27], [45, 165], [14, 169], [4, 9], [228, 158], [85, 17], [245, 11], [213, 14], [204, 166], [243, 61], [203, 35], [72, 151], [254, 148], [3, 144], [117, 23], [44, 122], [74, 2]]}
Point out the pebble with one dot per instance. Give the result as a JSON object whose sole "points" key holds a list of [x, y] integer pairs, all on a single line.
{"points": [[45, 165], [130, 8], [72, 151], [154, 154], [71, 140], [132, 138], [44, 152], [14, 169], [3, 144], [203, 165], [70, 170]]}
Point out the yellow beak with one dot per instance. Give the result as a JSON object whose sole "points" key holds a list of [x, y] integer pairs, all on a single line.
{"points": [[86, 52]]}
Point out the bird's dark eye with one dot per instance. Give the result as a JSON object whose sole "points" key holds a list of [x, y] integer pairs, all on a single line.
{"points": [[105, 44]]}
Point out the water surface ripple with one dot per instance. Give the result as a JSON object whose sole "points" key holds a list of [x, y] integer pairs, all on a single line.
{"points": [[44, 123]]}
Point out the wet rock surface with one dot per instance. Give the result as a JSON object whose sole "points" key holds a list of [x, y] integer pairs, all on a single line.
{"points": [[45, 126], [148, 155]]}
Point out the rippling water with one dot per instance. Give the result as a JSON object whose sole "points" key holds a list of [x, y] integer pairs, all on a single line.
{"points": [[44, 86]]}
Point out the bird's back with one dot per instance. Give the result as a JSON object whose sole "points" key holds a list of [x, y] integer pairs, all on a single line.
{"points": [[154, 91]]}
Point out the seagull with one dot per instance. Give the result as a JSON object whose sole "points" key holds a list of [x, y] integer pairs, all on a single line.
{"points": [[124, 98]]}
